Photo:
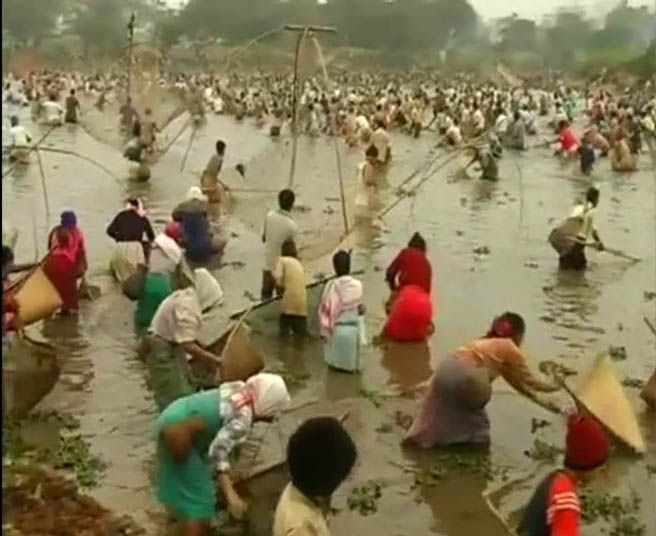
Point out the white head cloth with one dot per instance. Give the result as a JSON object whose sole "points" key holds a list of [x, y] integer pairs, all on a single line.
{"points": [[270, 395]]}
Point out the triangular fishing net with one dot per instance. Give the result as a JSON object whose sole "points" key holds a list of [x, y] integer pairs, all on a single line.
{"points": [[102, 120]]}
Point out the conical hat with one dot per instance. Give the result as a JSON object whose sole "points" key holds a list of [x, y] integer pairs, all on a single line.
{"points": [[601, 393]]}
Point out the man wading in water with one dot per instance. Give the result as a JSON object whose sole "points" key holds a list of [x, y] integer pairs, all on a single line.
{"points": [[72, 108], [571, 237], [279, 226], [212, 187]]}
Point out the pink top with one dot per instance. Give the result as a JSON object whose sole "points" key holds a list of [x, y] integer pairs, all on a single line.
{"points": [[73, 249]]}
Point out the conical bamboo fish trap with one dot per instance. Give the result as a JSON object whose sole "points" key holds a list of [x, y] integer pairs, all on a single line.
{"points": [[601, 394], [36, 296]]}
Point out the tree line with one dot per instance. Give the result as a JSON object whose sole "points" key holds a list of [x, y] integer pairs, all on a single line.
{"points": [[385, 25]]}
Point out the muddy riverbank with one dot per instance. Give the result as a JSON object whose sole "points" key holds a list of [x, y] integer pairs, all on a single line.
{"points": [[570, 318]]}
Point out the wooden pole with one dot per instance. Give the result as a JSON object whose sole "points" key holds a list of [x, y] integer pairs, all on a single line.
{"points": [[43, 185], [299, 42], [301, 28], [130, 47], [333, 126], [304, 31]]}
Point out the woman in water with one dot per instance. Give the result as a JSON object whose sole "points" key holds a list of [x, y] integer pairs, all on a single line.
{"points": [[133, 234], [196, 436], [159, 284], [453, 411], [67, 261]]}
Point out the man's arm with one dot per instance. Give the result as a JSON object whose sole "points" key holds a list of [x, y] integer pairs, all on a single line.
{"points": [[196, 352]]}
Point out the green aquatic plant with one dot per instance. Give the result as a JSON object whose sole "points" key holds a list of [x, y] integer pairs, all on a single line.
{"points": [[373, 396], [65, 420], [75, 455], [543, 452], [620, 512], [72, 454], [365, 498]]}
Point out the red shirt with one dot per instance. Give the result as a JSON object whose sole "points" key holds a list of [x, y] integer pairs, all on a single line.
{"points": [[410, 267], [411, 315], [568, 140]]}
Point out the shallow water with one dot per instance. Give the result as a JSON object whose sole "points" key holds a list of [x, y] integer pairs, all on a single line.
{"points": [[570, 317]]}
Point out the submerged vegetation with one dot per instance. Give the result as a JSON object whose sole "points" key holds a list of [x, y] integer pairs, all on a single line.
{"points": [[621, 513], [72, 453], [365, 498]]}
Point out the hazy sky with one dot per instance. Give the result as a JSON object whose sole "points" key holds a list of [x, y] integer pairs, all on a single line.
{"points": [[535, 9]]}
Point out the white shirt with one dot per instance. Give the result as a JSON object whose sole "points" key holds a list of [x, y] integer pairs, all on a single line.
{"points": [[454, 135], [380, 140], [479, 119], [19, 136], [362, 123], [278, 227], [501, 125], [54, 111], [217, 104], [587, 212]]}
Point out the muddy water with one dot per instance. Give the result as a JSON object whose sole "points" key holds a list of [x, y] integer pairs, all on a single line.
{"points": [[570, 318]]}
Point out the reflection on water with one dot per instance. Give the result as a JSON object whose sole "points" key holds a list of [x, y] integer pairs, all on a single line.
{"points": [[408, 364]]}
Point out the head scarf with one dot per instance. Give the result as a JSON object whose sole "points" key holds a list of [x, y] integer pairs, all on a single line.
{"points": [[417, 241], [195, 193], [270, 395], [172, 230], [68, 219], [169, 247], [165, 256], [207, 288]]}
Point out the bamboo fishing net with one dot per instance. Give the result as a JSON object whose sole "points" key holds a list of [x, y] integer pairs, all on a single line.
{"points": [[308, 165], [102, 121]]}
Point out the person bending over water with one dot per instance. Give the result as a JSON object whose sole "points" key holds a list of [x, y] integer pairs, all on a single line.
{"points": [[453, 411], [196, 437]]}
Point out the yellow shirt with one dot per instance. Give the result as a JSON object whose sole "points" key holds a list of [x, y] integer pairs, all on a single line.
{"points": [[296, 515], [290, 275]]}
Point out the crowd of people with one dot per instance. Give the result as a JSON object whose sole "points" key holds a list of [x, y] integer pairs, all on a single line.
{"points": [[198, 429]]}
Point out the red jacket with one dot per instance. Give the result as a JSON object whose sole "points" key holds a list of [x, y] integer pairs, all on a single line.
{"points": [[410, 267]]}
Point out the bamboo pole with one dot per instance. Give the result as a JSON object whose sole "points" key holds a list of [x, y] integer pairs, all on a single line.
{"points": [[651, 326], [130, 49], [43, 185], [30, 149], [292, 169], [333, 124], [191, 141]]}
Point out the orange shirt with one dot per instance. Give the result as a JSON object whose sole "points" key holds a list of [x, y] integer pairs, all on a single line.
{"points": [[503, 357]]}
